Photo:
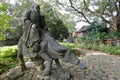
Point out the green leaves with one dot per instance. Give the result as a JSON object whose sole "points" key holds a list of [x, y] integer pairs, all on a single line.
{"points": [[96, 32], [53, 22], [3, 7], [8, 57], [7, 51], [4, 20]]}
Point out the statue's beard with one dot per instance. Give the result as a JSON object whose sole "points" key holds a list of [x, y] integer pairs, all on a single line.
{"points": [[36, 12], [35, 15]]}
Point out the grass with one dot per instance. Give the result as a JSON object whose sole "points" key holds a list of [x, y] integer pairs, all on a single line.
{"points": [[113, 50]]}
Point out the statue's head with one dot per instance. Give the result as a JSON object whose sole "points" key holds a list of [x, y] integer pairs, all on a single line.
{"points": [[36, 7]]}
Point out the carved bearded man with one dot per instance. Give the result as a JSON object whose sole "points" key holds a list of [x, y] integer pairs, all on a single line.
{"points": [[33, 23]]}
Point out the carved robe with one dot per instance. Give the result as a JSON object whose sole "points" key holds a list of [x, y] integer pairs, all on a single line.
{"points": [[32, 34]]}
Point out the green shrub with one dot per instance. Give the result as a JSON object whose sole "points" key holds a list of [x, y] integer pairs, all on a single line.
{"points": [[113, 50], [8, 51], [8, 57]]}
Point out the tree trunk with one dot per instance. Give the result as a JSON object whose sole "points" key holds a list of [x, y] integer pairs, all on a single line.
{"points": [[118, 23], [115, 24]]}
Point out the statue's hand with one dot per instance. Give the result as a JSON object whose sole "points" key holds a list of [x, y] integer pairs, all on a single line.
{"points": [[34, 26]]}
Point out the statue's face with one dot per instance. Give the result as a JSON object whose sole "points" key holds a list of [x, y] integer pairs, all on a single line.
{"points": [[36, 8]]}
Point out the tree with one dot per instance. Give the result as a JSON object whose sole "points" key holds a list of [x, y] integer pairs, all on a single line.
{"points": [[11, 18], [53, 22], [16, 11], [68, 21], [51, 17], [5, 19], [106, 11], [66, 17], [97, 32]]}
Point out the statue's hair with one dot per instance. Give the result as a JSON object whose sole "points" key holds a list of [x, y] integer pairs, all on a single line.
{"points": [[35, 5]]}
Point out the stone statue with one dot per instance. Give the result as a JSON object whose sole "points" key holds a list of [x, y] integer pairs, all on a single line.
{"points": [[38, 44], [50, 50], [33, 20], [33, 23]]}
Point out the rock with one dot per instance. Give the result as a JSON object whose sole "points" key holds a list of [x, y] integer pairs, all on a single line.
{"points": [[14, 72], [99, 67], [112, 77], [30, 65]]}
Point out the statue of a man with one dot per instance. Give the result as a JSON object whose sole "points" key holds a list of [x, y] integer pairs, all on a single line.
{"points": [[33, 23]]}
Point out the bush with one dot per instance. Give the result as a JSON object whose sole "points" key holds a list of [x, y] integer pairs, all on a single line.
{"points": [[8, 51], [8, 58], [113, 50]]}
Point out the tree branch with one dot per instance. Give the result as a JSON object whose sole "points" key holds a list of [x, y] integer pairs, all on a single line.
{"points": [[80, 12], [103, 13], [97, 14], [80, 21]]}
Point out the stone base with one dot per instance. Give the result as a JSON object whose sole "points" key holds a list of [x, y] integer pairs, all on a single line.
{"points": [[99, 67], [54, 76], [32, 74]]}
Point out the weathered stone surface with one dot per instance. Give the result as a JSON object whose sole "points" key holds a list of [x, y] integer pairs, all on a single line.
{"points": [[99, 67], [30, 65], [14, 72]]}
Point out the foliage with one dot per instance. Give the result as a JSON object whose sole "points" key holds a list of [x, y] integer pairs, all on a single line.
{"points": [[107, 11], [113, 50], [96, 32], [115, 34], [5, 19], [53, 22], [16, 11], [68, 20], [59, 30], [8, 51], [8, 57]]}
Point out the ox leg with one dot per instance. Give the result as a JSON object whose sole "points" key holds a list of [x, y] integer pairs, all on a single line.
{"points": [[20, 56], [48, 68], [59, 65]]}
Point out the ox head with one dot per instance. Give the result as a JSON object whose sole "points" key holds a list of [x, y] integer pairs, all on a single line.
{"points": [[71, 57]]}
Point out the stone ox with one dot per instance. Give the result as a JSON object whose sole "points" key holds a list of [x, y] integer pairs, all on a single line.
{"points": [[50, 50]]}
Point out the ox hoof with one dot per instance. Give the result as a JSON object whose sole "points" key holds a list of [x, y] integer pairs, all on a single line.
{"points": [[82, 66]]}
